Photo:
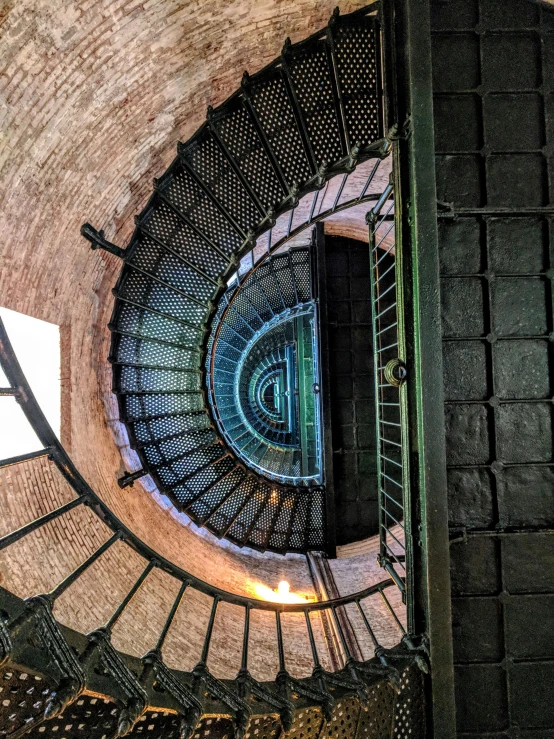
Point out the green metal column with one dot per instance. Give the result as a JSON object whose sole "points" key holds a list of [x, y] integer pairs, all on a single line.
{"points": [[409, 56]]}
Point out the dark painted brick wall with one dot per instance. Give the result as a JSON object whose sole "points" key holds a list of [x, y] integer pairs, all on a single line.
{"points": [[493, 79], [351, 388]]}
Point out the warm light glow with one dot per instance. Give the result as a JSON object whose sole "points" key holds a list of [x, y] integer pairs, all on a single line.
{"points": [[281, 595], [283, 589]]}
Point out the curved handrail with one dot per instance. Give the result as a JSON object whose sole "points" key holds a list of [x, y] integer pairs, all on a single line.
{"points": [[54, 450]]}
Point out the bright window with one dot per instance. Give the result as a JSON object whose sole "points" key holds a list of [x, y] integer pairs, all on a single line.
{"points": [[37, 347]]}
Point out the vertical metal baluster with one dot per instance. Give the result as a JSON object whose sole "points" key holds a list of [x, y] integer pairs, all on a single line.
{"points": [[208, 637], [369, 179], [280, 645], [129, 597], [245, 638], [77, 572], [391, 609], [339, 192], [378, 649], [171, 616], [315, 656], [14, 536], [323, 198], [393, 674], [291, 216]]}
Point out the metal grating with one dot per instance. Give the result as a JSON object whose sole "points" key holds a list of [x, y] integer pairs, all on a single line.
{"points": [[22, 698], [376, 717], [274, 109], [356, 50], [217, 173], [311, 77], [409, 710], [190, 199], [239, 135], [89, 717], [308, 724]]}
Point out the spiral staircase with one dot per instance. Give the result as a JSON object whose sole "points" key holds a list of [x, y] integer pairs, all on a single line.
{"points": [[215, 359], [313, 114]]}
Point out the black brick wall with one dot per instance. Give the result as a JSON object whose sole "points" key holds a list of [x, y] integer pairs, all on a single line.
{"points": [[352, 389], [493, 65]]}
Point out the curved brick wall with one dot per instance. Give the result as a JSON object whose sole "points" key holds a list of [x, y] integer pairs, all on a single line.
{"points": [[94, 96]]}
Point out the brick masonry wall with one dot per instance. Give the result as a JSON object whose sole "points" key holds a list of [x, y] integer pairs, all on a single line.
{"points": [[93, 98], [493, 72]]}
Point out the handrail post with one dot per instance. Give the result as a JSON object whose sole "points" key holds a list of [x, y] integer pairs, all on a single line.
{"points": [[245, 639], [209, 631], [171, 616], [280, 644], [78, 571], [128, 598]]}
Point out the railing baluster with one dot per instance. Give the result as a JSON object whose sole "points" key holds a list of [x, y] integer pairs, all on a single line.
{"points": [[129, 597], [339, 192], [312, 209], [208, 637], [315, 656], [376, 645], [78, 571], [245, 638], [369, 180], [14, 536], [323, 198], [291, 216], [280, 644], [392, 611], [171, 616]]}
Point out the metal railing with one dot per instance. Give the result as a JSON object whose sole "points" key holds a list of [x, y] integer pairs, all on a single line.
{"points": [[389, 351], [317, 689]]}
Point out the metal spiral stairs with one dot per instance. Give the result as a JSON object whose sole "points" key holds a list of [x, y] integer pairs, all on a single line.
{"points": [[314, 113], [186, 314], [258, 363]]}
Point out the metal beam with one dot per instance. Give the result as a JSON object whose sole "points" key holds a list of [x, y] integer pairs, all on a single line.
{"points": [[409, 54]]}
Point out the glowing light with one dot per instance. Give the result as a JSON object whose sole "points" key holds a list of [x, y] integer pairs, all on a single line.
{"points": [[283, 589], [281, 595]]}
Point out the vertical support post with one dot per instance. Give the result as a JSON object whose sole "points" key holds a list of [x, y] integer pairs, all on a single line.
{"points": [[280, 645], [129, 597], [409, 55], [171, 616], [325, 391], [245, 639], [78, 571], [313, 647], [209, 631]]}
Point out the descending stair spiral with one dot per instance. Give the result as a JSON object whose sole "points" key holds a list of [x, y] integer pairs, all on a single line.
{"points": [[313, 113]]}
